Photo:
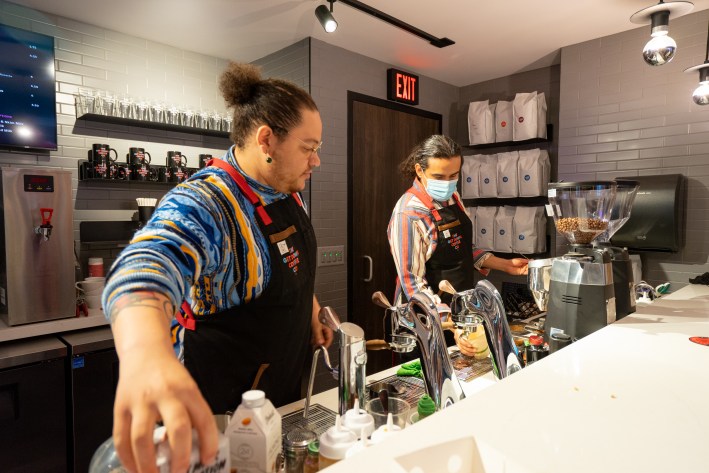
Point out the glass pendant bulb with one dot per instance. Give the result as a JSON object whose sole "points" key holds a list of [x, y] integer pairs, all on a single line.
{"points": [[701, 94], [660, 49]]}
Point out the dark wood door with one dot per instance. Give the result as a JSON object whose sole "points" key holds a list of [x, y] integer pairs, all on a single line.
{"points": [[381, 135]]}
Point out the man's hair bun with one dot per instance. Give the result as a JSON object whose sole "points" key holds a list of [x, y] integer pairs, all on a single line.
{"points": [[238, 83]]}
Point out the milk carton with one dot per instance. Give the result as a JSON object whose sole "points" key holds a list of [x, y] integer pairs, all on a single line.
{"points": [[254, 433]]}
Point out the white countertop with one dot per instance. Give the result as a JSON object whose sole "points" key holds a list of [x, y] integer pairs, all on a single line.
{"points": [[632, 397]]}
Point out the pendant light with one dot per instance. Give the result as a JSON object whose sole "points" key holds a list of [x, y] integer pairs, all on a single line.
{"points": [[661, 48], [701, 93]]}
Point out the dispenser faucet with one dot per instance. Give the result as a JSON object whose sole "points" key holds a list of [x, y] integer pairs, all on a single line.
{"points": [[45, 229], [484, 301], [351, 373], [415, 322]]}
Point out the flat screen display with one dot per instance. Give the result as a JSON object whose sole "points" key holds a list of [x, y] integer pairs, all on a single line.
{"points": [[28, 117]]}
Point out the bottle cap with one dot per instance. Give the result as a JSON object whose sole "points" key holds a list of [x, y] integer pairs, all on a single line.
{"points": [[336, 440], [255, 398], [385, 430], [359, 446], [358, 420], [536, 340], [314, 447]]}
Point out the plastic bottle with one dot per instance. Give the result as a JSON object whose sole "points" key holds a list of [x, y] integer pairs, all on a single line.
{"points": [[358, 420], [105, 459], [385, 431], [360, 445], [254, 434], [334, 443]]}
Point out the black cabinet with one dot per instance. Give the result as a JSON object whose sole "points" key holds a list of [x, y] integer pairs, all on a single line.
{"points": [[92, 379], [33, 433]]}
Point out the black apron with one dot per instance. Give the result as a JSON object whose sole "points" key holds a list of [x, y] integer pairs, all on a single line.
{"points": [[225, 351], [452, 259]]}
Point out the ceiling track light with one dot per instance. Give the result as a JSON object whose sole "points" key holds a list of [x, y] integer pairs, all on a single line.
{"points": [[363, 7], [701, 93], [661, 48], [325, 17]]}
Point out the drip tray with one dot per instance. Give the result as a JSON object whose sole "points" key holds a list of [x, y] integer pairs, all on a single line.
{"points": [[319, 420], [408, 388]]}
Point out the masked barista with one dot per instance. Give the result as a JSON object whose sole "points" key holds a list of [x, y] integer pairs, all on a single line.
{"points": [[431, 236], [235, 243]]}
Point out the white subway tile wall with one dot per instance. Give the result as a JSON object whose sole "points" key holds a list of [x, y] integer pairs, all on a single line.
{"points": [[621, 117]]}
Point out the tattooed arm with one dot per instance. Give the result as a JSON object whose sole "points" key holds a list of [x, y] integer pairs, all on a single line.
{"points": [[153, 385]]}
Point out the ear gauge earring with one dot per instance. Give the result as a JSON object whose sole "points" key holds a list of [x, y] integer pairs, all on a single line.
{"points": [[269, 160]]}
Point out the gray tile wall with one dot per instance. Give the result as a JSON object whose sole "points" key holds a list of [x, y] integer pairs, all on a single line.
{"points": [[90, 56], [334, 72], [504, 88], [622, 117]]}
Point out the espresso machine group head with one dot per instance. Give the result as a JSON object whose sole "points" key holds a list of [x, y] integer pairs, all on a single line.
{"points": [[581, 295]]}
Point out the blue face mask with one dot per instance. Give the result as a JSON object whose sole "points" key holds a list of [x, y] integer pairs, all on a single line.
{"points": [[441, 190]]}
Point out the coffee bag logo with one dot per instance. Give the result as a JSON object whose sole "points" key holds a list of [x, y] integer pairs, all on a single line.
{"points": [[486, 180], [521, 237], [502, 232], [505, 179], [520, 119], [468, 179], [503, 124], [527, 177], [483, 231]]}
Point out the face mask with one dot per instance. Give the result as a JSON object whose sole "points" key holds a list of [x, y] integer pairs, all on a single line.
{"points": [[441, 190]]}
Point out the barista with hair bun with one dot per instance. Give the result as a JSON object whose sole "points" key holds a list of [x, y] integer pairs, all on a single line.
{"points": [[234, 248], [431, 236]]}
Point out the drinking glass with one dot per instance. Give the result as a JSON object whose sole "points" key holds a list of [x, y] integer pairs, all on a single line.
{"points": [[398, 408]]}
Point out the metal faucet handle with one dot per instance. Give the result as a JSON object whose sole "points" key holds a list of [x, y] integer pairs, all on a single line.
{"points": [[328, 317], [446, 286], [381, 300]]}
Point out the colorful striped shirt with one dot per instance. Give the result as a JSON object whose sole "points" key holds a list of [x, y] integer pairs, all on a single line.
{"points": [[202, 244], [413, 238]]}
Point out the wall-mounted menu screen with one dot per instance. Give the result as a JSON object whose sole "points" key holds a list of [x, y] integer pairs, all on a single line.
{"points": [[28, 117]]}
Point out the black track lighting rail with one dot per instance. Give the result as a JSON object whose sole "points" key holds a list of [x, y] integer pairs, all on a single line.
{"points": [[363, 7]]}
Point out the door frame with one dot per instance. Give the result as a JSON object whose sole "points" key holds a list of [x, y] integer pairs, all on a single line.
{"points": [[357, 97]]}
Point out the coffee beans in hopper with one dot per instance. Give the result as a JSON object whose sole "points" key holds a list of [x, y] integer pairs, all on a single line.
{"points": [[584, 230]]}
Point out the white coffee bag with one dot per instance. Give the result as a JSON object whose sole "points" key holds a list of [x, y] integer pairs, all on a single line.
{"points": [[533, 172], [524, 111], [504, 232], [488, 175], [480, 123], [470, 176], [541, 115], [507, 174], [503, 121], [526, 230], [485, 226]]}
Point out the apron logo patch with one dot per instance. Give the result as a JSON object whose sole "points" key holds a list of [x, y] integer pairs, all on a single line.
{"points": [[446, 233], [292, 259], [455, 241]]}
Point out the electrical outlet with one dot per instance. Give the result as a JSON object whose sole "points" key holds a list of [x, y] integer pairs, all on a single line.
{"points": [[331, 255]]}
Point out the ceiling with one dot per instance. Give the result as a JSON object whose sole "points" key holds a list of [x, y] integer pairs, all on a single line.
{"points": [[492, 39]]}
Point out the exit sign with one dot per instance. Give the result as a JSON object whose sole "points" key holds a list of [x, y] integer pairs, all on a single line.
{"points": [[402, 87]]}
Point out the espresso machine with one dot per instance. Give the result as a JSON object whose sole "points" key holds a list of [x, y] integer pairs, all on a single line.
{"points": [[581, 295], [623, 282], [36, 245]]}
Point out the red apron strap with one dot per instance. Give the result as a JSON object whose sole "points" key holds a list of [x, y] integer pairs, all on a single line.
{"points": [[243, 186], [297, 199], [189, 321], [426, 200], [460, 204]]}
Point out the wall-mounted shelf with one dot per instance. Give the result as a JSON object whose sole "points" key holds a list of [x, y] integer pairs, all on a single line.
{"points": [[515, 201], [505, 144], [153, 125]]}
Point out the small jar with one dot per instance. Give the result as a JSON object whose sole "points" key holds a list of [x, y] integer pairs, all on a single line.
{"points": [[95, 267], [536, 350], [312, 460], [296, 449]]}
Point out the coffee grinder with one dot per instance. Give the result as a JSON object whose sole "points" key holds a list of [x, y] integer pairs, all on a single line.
{"points": [[623, 282], [581, 293]]}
